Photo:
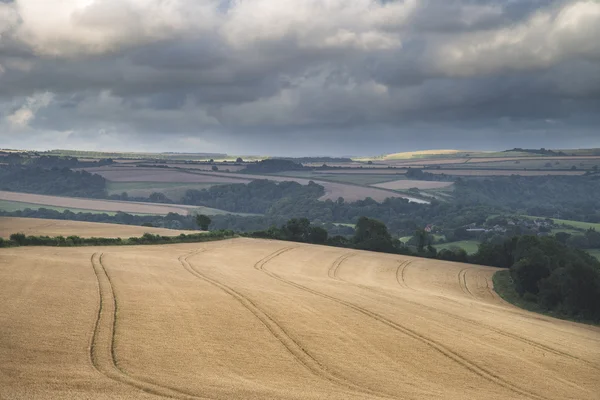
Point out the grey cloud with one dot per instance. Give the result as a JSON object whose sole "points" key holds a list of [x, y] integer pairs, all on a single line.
{"points": [[347, 75]]}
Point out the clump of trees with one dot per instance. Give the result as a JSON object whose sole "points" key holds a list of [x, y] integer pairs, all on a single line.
{"points": [[203, 221], [545, 271], [258, 196], [295, 230]]}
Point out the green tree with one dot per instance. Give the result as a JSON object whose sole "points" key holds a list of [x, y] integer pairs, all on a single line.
{"points": [[528, 271], [203, 221], [371, 234], [297, 229], [317, 235]]}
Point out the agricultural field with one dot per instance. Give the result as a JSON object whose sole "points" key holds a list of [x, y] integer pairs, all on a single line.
{"points": [[77, 203], [404, 184], [543, 163], [6, 205], [141, 174], [173, 190], [333, 190], [502, 172], [470, 246], [55, 227], [348, 177], [258, 319]]}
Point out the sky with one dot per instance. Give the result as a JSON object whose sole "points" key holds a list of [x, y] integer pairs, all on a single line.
{"points": [[299, 77]]}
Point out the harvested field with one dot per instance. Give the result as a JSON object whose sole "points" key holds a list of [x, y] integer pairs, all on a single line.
{"points": [[98, 205], [257, 319], [137, 174], [56, 227], [492, 172], [404, 184]]}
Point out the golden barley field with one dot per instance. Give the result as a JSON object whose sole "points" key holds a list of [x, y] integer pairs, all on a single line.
{"points": [[259, 319], [59, 227]]}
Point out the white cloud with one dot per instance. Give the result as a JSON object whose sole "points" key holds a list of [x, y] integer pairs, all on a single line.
{"points": [[547, 38], [21, 117], [360, 24], [72, 27]]}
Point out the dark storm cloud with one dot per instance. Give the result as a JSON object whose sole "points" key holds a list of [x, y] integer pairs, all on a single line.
{"points": [[337, 76]]}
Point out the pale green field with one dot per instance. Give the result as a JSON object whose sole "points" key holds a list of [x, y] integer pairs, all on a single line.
{"points": [[470, 246]]}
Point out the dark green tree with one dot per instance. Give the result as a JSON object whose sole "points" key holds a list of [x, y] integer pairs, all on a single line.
{"points": [[203, 221], [371, 234]]}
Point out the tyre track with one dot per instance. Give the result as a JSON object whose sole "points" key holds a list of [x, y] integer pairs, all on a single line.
{"points": [[400, 274], [462, 282], [432, 343], [102, 353], [333, 270], [292, 346], [498, 331]]}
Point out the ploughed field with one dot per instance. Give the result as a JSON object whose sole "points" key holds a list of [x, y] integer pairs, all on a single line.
{"points": [[258, 319]]}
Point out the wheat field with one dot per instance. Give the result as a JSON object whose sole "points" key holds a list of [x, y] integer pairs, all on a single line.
{"points": [[259, 319], [59, 227]]}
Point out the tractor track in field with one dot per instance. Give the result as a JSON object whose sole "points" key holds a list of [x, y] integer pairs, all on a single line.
{"points": [[498, 331], [462, 282], [432, 343], [102, 354], [333, 270], [292, 345], [400, 278]]}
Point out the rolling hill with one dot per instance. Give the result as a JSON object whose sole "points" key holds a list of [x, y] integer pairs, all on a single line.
{"points": [[259, 319]]}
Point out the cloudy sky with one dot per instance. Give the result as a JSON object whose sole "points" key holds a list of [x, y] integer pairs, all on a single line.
{"points": [[294, 77]]}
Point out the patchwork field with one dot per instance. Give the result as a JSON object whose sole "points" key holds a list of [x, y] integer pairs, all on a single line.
{"points": [[257, 319], [333, 190], [55, 227]]}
